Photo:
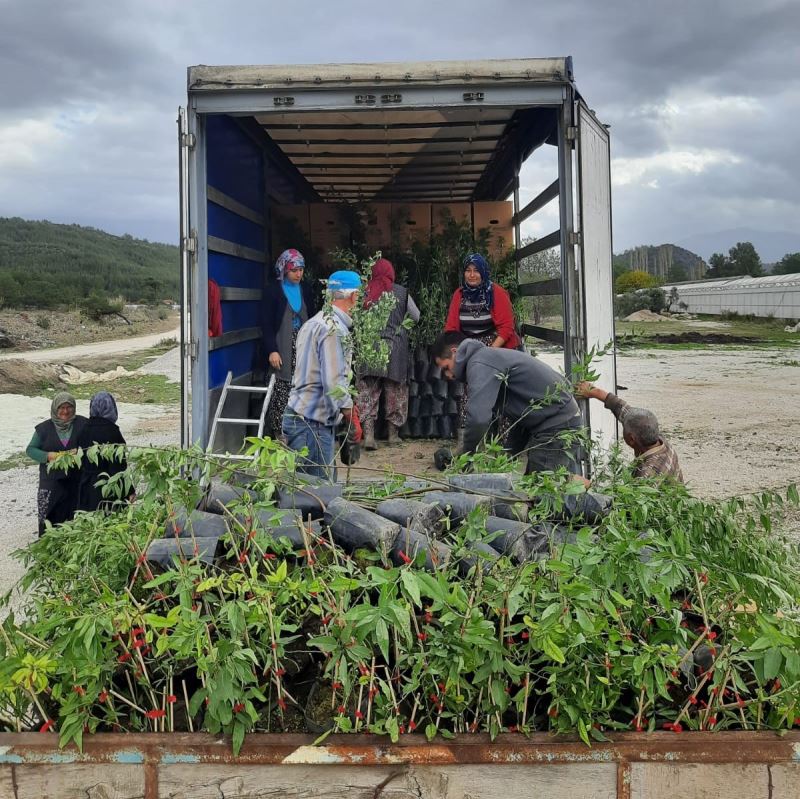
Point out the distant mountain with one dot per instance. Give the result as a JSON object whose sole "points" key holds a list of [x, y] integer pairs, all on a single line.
{"points": [[46, 265], [664, 261], [771, 245]]}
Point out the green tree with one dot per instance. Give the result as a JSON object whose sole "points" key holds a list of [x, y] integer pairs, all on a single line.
{"points": [[789, 264], [677, 273], [540, 267], [718, 265], [744, 260], [631, 281]]}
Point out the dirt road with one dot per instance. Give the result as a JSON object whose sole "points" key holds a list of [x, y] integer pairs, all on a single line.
{"points": [[97, 348]]}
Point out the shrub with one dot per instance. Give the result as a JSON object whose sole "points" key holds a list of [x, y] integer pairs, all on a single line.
{"points": [[43, 322], [653, 299], [669, 612], [96, 306]]}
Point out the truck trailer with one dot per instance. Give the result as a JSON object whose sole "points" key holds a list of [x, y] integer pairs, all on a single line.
{"points": [[258, 142]]}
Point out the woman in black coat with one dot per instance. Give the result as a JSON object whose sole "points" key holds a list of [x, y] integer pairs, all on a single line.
{"points": [[53, 437], [287, 305], [101, 428]]}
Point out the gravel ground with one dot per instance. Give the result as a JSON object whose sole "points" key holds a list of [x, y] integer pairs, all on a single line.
{"points": [[731, 414]]}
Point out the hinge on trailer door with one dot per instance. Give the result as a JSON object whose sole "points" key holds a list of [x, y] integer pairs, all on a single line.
{"points": [[571, 134], [575, 239], [190, 350], [188, 140], [189, 244]]}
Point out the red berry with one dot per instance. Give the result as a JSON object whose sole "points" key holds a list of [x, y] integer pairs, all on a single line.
{"points": [[340, 709], [412, 725], [359, 714], [422, 636]]}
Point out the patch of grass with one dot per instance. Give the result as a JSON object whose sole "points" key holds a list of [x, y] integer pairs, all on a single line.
{"points": [[789, 363], [143, 389], [15, 461]]}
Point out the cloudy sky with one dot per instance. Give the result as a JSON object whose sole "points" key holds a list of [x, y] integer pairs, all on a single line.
{"points": [[703, 96]]}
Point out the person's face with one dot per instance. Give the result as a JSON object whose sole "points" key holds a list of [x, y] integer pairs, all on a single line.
{"points": [[295, 274], [65, 412], [472, 277], [448, 365]]}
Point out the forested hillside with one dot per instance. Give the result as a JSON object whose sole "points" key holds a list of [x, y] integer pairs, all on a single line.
{"points": [[47, 265]]}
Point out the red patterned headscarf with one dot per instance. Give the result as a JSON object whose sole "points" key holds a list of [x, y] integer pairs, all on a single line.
{"points": [[381, 281], [287, 260]]}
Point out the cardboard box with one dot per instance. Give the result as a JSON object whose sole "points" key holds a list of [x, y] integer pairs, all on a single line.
{"points": [[496, 218], [286, 222], [460, 212], [328, 230], [413, 222], [378, 226]]}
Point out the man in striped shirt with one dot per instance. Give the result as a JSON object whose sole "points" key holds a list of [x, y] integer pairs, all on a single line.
{"points": [[654, 457], [320, 392]]}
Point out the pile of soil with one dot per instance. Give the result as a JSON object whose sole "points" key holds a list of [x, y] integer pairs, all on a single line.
{"points": [[644, 316], [18, 376]]}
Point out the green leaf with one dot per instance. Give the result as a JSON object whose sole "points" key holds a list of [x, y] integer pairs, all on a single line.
{"points": [[238, 738], [382, 636], [772, 663], [552, 650], [430, 731], [792, 495], [411, 586], [583, 732]]}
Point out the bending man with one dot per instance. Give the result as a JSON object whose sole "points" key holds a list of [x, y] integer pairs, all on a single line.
{"points": [[321, 386], [653, 455], [544, 416]]}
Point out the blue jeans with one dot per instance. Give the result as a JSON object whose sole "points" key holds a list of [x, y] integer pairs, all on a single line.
{"points": [[318, 438]]}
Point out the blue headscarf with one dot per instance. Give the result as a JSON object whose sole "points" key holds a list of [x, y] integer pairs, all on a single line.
{"points": [[479, 294], [103, 405]]}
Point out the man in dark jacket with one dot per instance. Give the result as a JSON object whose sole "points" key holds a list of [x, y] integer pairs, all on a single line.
{"points": [[501, 382]]}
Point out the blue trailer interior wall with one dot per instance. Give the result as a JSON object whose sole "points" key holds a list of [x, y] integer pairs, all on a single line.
{"points": [[235, 167]]}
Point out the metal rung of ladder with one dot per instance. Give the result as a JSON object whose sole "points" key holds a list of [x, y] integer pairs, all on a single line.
{"points": [[220, 419]]}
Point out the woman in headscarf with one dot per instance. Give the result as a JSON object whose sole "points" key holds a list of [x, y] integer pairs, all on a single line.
{"points": [[392, 381], [482, 309], [57, 494], [287, 305], [101, 428]]}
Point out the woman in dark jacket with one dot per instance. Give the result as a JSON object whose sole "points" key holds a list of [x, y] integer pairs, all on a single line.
{"points": [[57, 494], [101, 428], [393, 380], [287, 305]]}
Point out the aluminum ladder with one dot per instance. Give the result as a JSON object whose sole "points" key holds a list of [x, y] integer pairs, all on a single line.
{"points": [[220, 419]]}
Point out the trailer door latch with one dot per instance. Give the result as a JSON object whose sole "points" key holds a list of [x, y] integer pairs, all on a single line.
{"points": [[190, 349], [365, 99], [188, 140], [189, 244], [391, 98], [283, 100], [473, 96]]}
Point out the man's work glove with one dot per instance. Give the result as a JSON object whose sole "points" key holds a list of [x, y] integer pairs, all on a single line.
{"points": [[350, 434], [442, 458], [355, 433]]}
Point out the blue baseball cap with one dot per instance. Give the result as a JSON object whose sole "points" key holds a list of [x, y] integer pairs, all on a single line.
{"points": [[344, 280]]}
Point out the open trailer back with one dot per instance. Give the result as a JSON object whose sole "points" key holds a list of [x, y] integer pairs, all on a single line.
{"points": [[259, 141]]}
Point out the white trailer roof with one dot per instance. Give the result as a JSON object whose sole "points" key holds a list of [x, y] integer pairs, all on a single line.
{"points": [[511, 70]]}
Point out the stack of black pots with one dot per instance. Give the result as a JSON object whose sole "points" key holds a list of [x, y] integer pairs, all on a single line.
{"points": [[432, 401]]}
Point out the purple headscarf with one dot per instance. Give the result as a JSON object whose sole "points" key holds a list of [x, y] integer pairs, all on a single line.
{"points": [[480, 294], [103, 405], [287, 260]]}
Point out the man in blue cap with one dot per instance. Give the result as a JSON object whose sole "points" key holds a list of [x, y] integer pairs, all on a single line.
{"points": [[320, 392]]}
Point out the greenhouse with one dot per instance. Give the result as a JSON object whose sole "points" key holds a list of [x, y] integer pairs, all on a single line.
{"points": [[773, 295]]}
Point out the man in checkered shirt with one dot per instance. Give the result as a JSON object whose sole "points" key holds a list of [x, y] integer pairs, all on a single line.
{"points": [[654, 457]]}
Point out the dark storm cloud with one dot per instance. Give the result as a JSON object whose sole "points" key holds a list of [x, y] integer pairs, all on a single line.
{"points": [[697, 92]]}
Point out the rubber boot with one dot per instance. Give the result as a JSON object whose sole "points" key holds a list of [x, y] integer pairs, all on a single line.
{"points": [[368, 426], [393, 436]]}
